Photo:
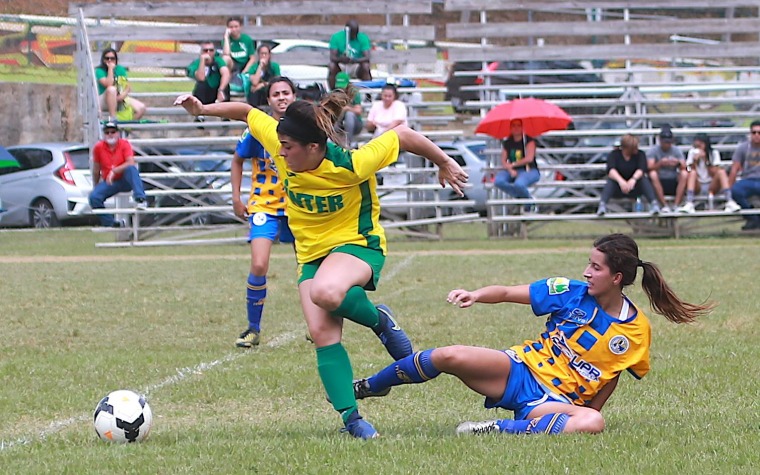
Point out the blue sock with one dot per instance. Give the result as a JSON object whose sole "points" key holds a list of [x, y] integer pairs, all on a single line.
{"points": [[256, 294], [547, 424], [415, 368]]}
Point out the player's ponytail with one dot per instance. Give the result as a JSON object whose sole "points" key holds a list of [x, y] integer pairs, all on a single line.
{"points": [[622, 256]]}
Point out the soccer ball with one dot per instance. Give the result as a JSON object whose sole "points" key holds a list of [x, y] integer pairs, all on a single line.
{"points": [[123, 416]]}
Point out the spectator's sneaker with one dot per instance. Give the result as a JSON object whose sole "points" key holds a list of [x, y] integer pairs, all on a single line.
{"points": [[359, 428], [119, 223], [732, 206], [141, 203], [751, 225], [393, 337], [687, 208], [477, 428], [601, 210], [666, 210], [654, 209], [248, 339], [362, 390]]}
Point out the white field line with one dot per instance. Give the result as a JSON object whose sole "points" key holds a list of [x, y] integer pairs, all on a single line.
{"points": [[180, 375]]}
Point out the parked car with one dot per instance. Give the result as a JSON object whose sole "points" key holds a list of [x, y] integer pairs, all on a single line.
{"points": [[458, 97], [49, 187]]}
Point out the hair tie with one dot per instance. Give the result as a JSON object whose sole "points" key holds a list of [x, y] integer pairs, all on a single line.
{"points": [[640, 263]]}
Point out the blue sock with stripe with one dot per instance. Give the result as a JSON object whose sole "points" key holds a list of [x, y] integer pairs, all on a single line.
{"points": [[547, 424], [415, 368], [255, 296]]}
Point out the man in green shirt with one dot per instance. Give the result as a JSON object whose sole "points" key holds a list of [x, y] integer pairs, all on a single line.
{"points": [[211, 74], [349, 51], [238, 49]]}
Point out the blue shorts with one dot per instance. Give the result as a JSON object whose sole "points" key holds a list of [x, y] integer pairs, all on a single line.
{"points": [[523, 393], [263, 225]]}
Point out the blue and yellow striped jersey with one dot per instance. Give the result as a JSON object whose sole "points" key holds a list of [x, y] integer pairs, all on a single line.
{"points": [[267, 193], [336, 203], [583, 348]]}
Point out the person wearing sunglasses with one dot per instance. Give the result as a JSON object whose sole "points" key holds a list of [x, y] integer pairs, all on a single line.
{"points": [[114, 89], [746, 160], [211, 74], [114, 171]]}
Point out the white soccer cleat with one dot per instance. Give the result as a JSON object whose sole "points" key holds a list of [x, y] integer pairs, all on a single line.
{"points": [[687, 208], [732, 206], [477, 428]]}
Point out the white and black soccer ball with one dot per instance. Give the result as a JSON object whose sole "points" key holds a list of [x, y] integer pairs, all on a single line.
{"points": [[123, 417]]}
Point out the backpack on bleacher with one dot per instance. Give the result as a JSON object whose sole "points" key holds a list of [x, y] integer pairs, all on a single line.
{"points": [[240, 84]]}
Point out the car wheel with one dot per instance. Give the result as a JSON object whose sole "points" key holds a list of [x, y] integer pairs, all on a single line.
{"points": [[200, 219], [42, 215]]}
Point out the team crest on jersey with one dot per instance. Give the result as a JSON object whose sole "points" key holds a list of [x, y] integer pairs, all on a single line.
{"points": [[619, 344], [558, 285]]}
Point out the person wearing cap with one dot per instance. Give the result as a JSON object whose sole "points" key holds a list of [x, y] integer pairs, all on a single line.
{"points": [[350, 121], [667, 169], [349, 51], [114, 171], [746, 160]]}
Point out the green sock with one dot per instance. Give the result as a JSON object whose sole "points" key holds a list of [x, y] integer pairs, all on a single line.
{"points": [[357, 308], [337, 378]]}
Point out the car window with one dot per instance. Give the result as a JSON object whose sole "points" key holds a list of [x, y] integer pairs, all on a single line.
{"points": [[80, 158], [456, 155], [31, 158], [479, 150]]}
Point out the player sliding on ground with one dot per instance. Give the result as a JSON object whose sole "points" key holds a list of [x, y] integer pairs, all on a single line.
{"points": [[560, 381], [333, 211]]}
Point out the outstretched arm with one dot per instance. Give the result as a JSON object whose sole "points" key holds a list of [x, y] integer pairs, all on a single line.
{"points": [[228, 110], [416, 143], [491, 294]]}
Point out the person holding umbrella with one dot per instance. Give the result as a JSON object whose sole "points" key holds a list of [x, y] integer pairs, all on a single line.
{"points": [[518, 121], [518, 157]]}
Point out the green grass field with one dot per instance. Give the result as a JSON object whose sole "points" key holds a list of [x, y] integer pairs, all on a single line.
{"points": [[78, 322]]}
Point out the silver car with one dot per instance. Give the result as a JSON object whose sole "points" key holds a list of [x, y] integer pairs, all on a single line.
{"points": [[50, 185]]}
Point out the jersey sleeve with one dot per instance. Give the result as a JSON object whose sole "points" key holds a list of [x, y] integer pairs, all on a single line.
{"points": [[248, 147], [193, 68], [264, 129], [552, 294], [377, 154]]}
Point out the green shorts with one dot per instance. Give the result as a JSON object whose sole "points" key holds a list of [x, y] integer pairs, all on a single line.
{"points": [[373, 257]]}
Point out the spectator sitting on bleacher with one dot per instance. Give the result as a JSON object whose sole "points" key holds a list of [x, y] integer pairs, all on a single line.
{"points": [[262, 71], [518, 158], [387, 113], [350, 120], [114, 171], [238, 48], [667, 169], [703, 165], [349, 52], [113, 89], [746, 160], [626, 175], [211, 74]]}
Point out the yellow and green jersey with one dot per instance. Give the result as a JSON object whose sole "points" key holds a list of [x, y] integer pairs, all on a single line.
{"points": [[336, 203]]}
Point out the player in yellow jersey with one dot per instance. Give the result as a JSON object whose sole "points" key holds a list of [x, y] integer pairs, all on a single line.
{"points": [[264, 210], [560, 381], [333, 210]]}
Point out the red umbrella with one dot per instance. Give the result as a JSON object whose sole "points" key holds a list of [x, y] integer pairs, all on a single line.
{"points": [[537, 117]]}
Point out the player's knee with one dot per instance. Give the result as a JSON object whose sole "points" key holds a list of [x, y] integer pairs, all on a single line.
{"points": [[590, 421], [448, 357], [326, 296], [259, 266]]}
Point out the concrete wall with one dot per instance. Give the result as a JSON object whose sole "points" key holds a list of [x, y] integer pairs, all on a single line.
{"points": [[38, 113]]}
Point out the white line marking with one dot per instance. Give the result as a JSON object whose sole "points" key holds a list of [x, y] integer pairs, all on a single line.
{"points": [[398, 267], [180, 375]]}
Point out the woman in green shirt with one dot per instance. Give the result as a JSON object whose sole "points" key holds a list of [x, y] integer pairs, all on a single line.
{"points": [[262, 72], [113, 89]]}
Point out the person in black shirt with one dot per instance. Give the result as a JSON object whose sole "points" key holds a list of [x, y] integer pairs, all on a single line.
{"points": [[518, 157], [627, 175]]}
